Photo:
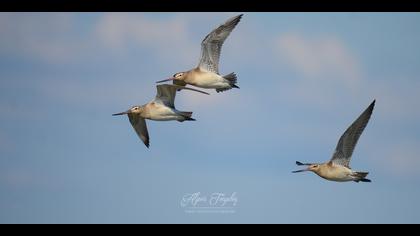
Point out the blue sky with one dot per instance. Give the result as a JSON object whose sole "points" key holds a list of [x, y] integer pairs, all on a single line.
{"points": [[304, 78]]}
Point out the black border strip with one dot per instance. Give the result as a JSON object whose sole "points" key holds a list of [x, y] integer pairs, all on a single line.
{"points": [[210, 6]]}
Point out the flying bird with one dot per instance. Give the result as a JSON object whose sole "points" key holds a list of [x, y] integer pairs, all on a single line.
{"points": [[338, 169], [206, 74], [162, 108]]}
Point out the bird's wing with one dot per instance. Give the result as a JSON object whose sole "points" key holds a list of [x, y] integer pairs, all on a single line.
{"points": [[166, 93], [140, 126], [348, 140], [212, 44]]}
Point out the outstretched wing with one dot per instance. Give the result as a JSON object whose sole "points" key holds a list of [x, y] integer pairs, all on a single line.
{"points": [[211, 46], [348, 140], [166, 93], [139, 125]]}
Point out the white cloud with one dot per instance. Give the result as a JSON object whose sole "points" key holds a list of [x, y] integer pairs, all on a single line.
{"points": [[168, 39], [326, 71], [173, 39], [59, 38], [116, 29], [45, 36], [319, 58]]}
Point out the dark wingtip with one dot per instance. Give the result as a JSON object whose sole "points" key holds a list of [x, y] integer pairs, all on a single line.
{"points": [[238, 16], [237, 19], [299, 163], [371, 106]]}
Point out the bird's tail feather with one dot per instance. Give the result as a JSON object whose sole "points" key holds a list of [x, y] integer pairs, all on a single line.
{"points": [[187, 115], [232, 80], [361, 176]]}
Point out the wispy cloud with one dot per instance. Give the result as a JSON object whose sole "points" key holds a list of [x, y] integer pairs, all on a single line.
{"points": [[58, 38], [325, 69], [43, 36], [168, 39], [318, 58]]}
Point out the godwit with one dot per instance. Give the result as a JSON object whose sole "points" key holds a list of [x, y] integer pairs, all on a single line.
{"points": [[162, 108], [338, 169], [206, 74]]}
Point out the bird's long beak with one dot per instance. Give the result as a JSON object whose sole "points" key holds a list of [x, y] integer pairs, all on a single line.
{"points": [[121, 113], [165, 80], [297, 171]]}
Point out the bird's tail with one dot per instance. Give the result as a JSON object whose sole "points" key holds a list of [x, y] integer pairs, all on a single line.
{"points": [[361, 176], [232, 80], [186, 115]]}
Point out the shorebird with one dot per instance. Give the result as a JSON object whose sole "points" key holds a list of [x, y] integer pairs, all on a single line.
{"points": [[162, 108], [338, 169], [206, 74]]}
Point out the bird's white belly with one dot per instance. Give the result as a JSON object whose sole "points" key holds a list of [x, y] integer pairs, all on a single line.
{"points": [[162, 113], [338, 173], [343, 178], [210, 80]]}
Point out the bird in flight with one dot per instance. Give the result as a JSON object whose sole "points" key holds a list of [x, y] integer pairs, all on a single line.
{"points": [[206, 74], [161, 108], [338, 169]]}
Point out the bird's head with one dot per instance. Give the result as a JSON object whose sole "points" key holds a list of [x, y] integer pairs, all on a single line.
{"points": [[176, 76], [311, 167], [179, 75], [132, 110]]}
